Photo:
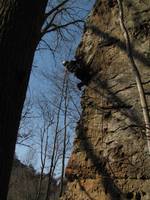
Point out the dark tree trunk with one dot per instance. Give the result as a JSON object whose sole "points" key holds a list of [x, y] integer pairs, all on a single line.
{"points": [[20, 25]]}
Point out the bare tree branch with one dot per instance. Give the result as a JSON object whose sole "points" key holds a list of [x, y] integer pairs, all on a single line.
{"points": [[55, 141], [56, 27], [55, 8], [65, 133]]}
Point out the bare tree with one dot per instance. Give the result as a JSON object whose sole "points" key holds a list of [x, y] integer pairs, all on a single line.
{"points": [[65, 132], [56, 142], [23, 24], [55, 139], [48, 120], [25, 132]]}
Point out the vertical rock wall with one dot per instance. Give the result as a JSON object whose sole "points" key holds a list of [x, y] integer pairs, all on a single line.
{"points": [[110, 158]]}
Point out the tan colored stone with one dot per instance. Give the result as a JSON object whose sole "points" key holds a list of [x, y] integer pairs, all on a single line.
{"points": [[110, 158]]}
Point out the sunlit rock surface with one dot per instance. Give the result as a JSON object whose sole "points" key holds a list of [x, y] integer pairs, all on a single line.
{"points": [[110, 158]]}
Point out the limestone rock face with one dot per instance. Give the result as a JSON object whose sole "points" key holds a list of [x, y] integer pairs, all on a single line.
{"points": [[110, 159]]}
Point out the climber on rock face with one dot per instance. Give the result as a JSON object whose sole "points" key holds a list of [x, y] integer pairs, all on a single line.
{"points": [[72, 66], [79, 71]]}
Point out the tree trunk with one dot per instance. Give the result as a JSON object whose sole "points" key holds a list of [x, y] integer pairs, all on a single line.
{"points": [[20, 25]]}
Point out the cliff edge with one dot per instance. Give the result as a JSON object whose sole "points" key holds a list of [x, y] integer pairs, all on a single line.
{"points": [[110, 159]]}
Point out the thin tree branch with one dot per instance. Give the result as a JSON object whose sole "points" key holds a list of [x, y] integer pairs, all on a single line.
{"points": [[55, 140], [56, 27], [55, 8], [49, 24], [65, 133]]}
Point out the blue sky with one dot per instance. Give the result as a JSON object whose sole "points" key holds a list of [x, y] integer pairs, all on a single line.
{"points": [[44, 62]]}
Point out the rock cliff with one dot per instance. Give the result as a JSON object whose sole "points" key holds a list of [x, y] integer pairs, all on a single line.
{"points": [[110, 159]]}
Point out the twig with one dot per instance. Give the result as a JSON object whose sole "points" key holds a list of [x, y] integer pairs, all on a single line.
{"points": [[55, 8]]}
